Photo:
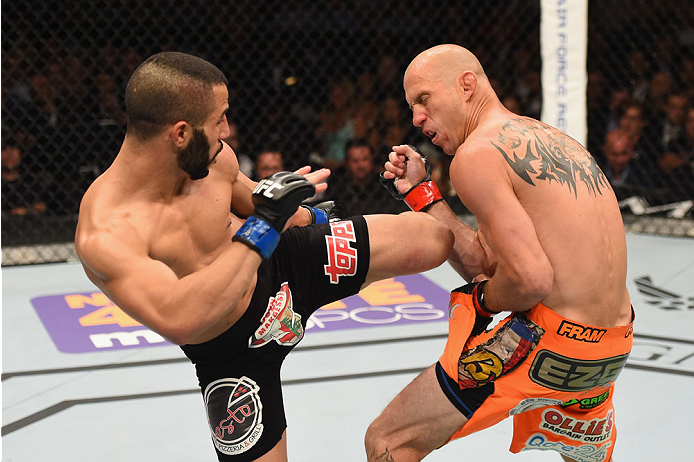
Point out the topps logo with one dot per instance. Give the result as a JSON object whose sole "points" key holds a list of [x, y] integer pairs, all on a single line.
{"points": [[579, 332]]}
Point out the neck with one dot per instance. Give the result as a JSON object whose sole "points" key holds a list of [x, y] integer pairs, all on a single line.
{"points": [[479, 113], [149, 168]]}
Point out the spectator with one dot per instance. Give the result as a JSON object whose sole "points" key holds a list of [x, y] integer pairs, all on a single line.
{"points": [[18, 196], [677, 164], [337, 124], [269, 161], [633, 124], [389, 78], [669, 127], [392, 128], [658, 91], [366, 105], [356, 186], [685, 77], [617, 106], [44, 112], [111, 120], [624, 172], [639, 69], [246, 164]]}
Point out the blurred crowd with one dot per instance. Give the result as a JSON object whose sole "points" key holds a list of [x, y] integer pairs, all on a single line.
{"points": [[63, 123]]}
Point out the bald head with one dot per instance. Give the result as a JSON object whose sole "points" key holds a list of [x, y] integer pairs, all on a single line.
{"points": [[447, 91], [445, 63]]}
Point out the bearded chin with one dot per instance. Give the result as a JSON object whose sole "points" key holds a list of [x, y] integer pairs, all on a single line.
{"points": [[194, 159]]}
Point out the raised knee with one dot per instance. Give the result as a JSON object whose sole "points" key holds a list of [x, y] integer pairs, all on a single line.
{"points": [[382, 445], [374, 441]]}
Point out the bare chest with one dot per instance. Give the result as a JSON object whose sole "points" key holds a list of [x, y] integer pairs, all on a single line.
{"points": [[192, 232]]}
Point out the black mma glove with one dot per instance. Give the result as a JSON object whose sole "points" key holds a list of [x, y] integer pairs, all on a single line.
{"points": [[326, 212], [276, 199], [420, 196], [484, 316]]}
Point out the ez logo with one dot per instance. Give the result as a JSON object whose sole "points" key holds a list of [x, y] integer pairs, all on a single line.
{"points": [[266, 187]]}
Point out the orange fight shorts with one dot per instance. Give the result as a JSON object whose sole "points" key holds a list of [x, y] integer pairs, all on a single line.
{"points": [[554, 376]]}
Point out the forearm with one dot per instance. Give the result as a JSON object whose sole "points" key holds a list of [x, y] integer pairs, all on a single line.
{"points": [[502, 293], [467, 256]]}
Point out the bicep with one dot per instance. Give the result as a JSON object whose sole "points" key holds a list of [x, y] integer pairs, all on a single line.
{"points": [[241, 199], [138, 284]]}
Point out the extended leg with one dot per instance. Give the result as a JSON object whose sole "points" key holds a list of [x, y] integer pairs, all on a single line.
{"points": [[418, 420]]}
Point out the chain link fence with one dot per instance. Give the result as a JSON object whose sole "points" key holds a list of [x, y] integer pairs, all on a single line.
{"points": [[307, 77]]}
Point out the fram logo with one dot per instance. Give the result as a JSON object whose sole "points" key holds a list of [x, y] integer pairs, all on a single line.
{"points": [[579, 332]]}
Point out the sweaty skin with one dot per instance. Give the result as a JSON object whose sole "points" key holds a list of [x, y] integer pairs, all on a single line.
{"points": [[155, 229], [159, 244], [550, 229]]}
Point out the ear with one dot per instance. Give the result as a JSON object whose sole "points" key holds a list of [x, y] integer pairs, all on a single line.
{"points": [[180, 134], [467, 82]]}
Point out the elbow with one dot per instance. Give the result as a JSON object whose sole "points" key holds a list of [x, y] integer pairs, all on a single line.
{"points": [[178, 333], [179, 339], [532, 281], [537, 283]]}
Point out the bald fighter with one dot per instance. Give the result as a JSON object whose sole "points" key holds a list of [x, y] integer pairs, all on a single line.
{"points": [[187, 245], [550, 252]]}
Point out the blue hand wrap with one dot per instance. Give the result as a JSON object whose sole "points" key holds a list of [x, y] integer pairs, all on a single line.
{"points": [[259, 236], [321, 216]]}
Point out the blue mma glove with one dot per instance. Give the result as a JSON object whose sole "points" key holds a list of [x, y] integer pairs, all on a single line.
{"points": [[276, 198], [326, 212]]}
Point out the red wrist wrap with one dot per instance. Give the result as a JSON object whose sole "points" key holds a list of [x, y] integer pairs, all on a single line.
{"points": [[423, 195], [478, 300]]}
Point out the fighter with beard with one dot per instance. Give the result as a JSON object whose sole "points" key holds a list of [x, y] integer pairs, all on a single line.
{"points": [[187, 245]]}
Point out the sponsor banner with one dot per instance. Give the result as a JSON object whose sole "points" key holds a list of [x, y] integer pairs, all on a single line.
{"points": [[401, 300], [561, 373], [576, 331], [234, 413], [669, 354], [280, 323], [529, 404], [564, 45], [89, 321], [85, 322], [582, 453], [585, 431]]}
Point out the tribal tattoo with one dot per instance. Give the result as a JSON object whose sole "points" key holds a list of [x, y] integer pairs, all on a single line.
{"points": [[385, 457], [556, 156]]}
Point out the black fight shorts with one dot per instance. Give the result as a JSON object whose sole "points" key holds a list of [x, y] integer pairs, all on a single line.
{"points": [[239, 371]]}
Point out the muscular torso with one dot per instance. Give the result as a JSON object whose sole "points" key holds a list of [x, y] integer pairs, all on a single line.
{"points": [[186, 232], [575, 215]]}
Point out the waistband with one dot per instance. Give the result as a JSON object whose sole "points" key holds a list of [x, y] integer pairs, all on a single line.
{"points": [[553, 322]]}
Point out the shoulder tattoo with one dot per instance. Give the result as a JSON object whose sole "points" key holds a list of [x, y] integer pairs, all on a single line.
{"points": [[548, 155]]}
